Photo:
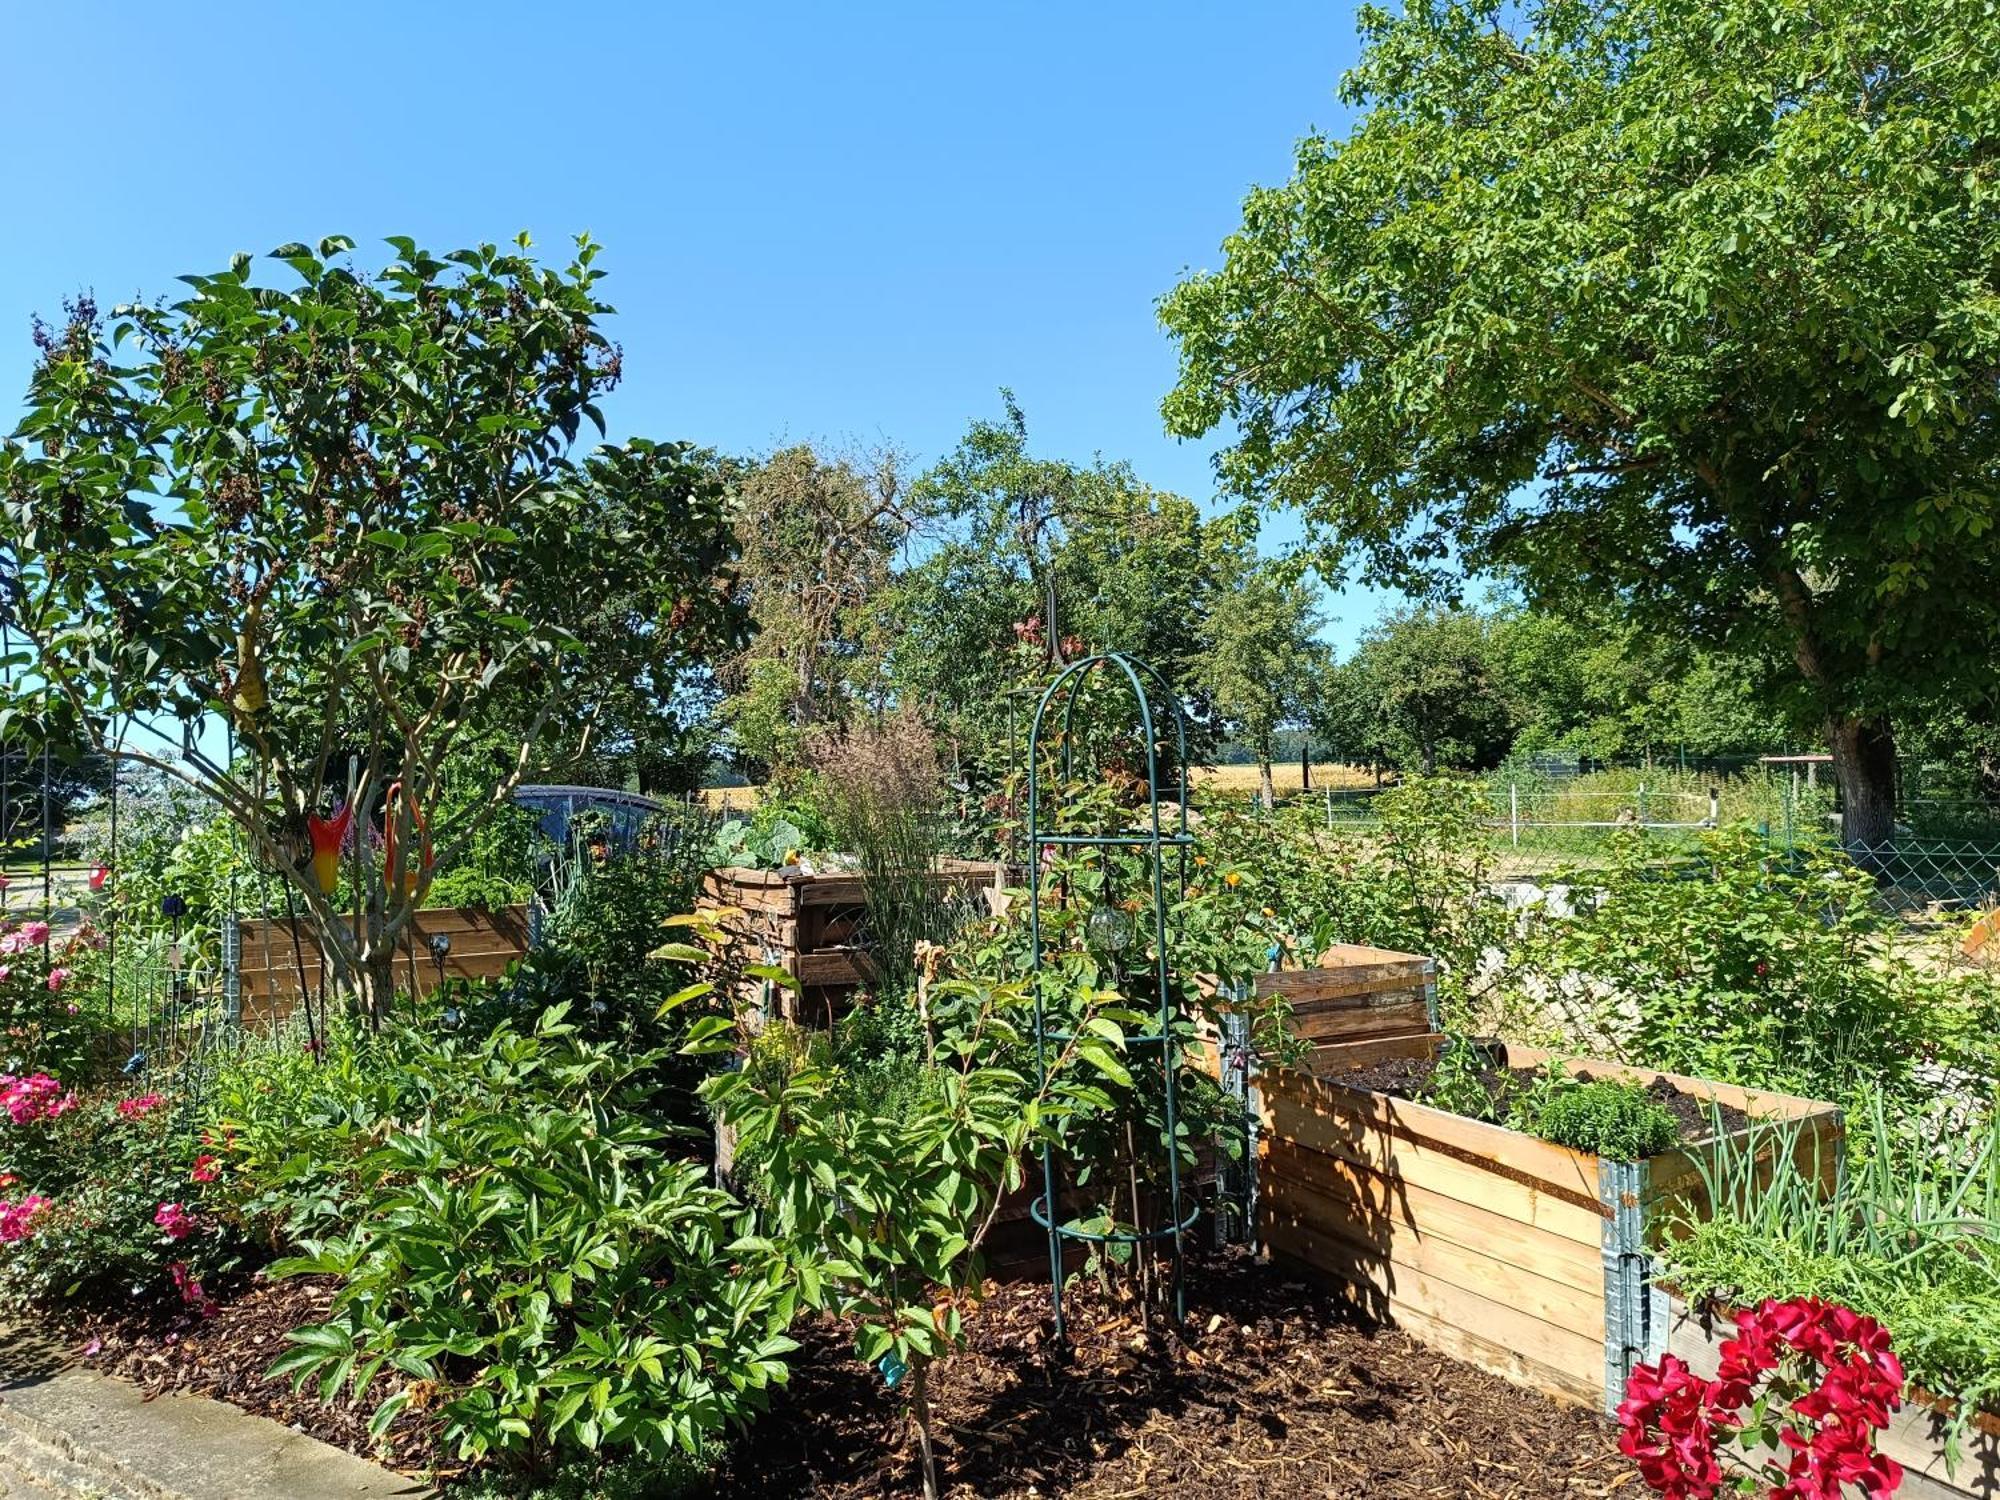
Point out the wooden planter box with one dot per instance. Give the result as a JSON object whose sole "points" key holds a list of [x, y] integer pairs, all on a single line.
{"points": [[814, 927], [1915, 1437], [483, 945], [1520, 1256]]}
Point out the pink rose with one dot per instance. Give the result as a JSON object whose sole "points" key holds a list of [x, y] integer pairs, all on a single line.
{"points": [[17, 1219], [175, 1222], [140, 1106], [58, 977]]}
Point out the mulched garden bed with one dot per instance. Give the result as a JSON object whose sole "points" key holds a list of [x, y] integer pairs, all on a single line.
{"points": [[1275, 1392], [1410, 1078], [160, 1348]]}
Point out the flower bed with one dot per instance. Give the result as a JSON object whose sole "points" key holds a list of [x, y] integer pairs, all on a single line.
{"points": [[1525, 1257], [1917, 1437]]}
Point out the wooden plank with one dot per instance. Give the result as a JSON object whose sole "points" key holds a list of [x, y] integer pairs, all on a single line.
{"points": [[1371, 1237], [1346, 955], [1572, 1216], [1300, 985], [1457, 1322], [1557, 1168], [1393, 1013], [1410, 1208]]}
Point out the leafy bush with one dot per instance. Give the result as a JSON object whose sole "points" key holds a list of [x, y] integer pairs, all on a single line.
{"points": [[1607, 1118], [51, 997], [105, 1197], [1420, 882], [881, 1204], [536, 1268], [1739, 967], [292, 1121]]}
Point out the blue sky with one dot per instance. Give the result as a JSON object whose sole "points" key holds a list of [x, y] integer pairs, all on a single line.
{"points": [[841, 222]]}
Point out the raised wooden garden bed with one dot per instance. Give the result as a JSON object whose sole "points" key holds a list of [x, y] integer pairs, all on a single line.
{"points": [[1523, 1257], [483, 944], [814, 927], [1357, 993], [1916, 1436]]}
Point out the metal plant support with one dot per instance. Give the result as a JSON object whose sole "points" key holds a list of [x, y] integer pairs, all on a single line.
{"points": [[1157, 845]]}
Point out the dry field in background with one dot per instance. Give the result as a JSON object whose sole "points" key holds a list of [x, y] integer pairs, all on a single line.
{"points": [[1209, 778]]}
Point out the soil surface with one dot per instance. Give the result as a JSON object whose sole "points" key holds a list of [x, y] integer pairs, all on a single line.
{"points": [[1275, 1392], [1410, 1078]]}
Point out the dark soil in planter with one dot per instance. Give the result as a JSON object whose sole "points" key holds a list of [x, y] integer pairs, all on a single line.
{"points": [[1410, 1078], [1275, 1392]]}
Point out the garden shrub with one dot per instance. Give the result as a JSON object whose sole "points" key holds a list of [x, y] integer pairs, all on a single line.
{"points": [[1420, 882], [1748, 969], [105, 1196], [52, 1006], [535, 1268]]}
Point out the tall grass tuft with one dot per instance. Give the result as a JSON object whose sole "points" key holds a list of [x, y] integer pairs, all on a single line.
{"points": [[882, 792]]}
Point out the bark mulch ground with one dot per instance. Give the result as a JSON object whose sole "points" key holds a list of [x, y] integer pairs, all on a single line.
{"points": [[1274, 1392]]}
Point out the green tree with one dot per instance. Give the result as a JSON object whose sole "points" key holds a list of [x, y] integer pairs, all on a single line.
{"points": [[818, 535], [1687, 306], [1262, 660], [1048, 560], [1422, 692], [345, 516]]}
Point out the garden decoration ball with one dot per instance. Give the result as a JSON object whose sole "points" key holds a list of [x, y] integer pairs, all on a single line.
{"points": [[328, 835], [173, 907], [1108, 929]]}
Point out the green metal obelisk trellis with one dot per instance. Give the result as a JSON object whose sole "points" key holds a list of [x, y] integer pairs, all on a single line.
{"points": [[1155, 846]]}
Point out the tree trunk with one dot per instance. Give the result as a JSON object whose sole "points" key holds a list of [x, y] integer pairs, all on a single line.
{"points": [[1864, 763], [1305, 765], [920, 1400], [377, 982], [1267, 789]]}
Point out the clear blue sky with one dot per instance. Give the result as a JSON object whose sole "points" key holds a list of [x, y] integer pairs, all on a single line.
{"points": [[820, 221]]}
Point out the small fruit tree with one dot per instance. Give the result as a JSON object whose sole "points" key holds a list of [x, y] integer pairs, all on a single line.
{"points": [[344, 517]]}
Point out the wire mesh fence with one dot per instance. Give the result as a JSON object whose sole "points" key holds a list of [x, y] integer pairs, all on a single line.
{"points": [[1945, 858]]}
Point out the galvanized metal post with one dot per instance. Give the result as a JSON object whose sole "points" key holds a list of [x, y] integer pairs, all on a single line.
{"points": [[1514, 811], [1635, 1309]]}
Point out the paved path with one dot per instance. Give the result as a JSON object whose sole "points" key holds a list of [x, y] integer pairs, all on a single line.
{"points": [[68, 1430]]}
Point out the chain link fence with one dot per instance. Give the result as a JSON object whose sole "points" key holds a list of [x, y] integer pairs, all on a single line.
{"points": [[1944, 861]]}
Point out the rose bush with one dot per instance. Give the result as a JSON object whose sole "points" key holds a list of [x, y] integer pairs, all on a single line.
{"points": [[51, 988], [101, 1197]]}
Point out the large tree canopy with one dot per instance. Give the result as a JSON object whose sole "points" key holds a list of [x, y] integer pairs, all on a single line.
{"points": [[343, 514], [1054, 559], [1692, 306]]}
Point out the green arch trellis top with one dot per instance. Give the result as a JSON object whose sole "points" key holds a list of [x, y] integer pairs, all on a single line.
{"points": [[1156, 845]]}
